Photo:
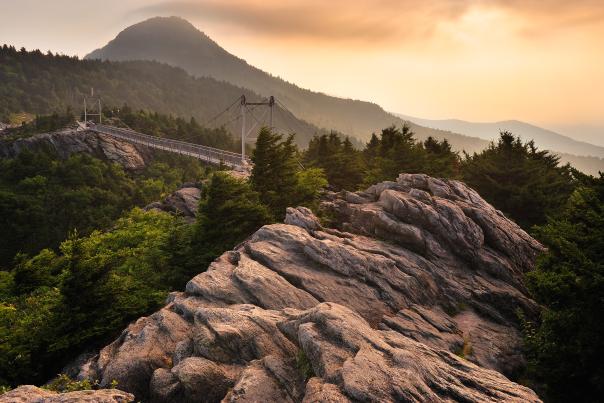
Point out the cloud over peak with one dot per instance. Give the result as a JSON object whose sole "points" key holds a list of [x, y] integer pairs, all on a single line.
{"points": [[376, 21]]}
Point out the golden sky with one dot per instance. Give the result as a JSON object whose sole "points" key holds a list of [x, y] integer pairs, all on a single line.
{"points": [[541, 61]]}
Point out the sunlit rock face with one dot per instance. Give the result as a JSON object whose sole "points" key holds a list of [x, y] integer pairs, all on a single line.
{"points": [[410, 293]]}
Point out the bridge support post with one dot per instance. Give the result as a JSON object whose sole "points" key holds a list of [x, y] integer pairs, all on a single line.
{"points": [[243, 103], [271, 104]]}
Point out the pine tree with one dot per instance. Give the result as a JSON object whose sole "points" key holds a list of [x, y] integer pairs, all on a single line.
{"points": [[372, 147]]}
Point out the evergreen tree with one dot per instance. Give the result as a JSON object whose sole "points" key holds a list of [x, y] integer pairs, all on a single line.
{"points": [[274, 172], [523, 182], [338, 158], [228, 213], [395, 152], [84, 297], [566, 348], [440, 160], [372, 147]]}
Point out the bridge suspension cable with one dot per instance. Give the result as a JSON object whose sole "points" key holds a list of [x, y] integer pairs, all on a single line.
{"points": [[207, 123]]}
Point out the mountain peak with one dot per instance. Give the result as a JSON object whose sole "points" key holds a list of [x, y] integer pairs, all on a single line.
{"points": [[172, 20], [166, 39], [173, 24]]}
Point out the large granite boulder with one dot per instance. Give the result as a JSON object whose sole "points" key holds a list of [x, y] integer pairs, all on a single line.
{"points": [[411, 295]]}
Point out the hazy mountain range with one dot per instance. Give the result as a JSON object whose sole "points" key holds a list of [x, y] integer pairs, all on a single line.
{"points": [[489, 131], [175, 41], [590, 133]]}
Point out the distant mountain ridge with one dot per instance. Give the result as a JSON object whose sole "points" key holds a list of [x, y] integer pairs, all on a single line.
{"points": [[177, 42], [544, 138]]}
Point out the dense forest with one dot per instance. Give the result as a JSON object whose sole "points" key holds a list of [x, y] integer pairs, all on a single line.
{"points": [[39, 83], [44, 198]]}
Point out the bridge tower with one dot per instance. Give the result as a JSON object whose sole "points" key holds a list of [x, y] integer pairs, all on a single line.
{"points": [[100, 109], [244, 104]]}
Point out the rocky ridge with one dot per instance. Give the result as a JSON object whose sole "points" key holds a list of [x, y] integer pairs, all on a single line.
{"points": [[71, 141], [412, 276]]}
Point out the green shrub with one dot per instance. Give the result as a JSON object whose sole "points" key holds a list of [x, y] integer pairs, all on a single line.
{"points": [[304, 366]]}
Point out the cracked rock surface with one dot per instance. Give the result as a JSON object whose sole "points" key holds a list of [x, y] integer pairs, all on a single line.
{"points": [[410, 294]]}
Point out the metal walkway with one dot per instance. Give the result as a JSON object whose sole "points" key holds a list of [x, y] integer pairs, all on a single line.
{"points": [[210, 155]]}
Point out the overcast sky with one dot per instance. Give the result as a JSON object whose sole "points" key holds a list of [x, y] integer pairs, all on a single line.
{"points": [[541, 61]]}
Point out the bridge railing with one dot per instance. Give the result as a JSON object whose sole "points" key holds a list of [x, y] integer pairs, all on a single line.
{"points": [[205, 153]]}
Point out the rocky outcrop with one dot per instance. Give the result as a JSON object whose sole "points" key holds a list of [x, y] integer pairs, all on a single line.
{"points": [[411, 295], [184, 202], [71, 141], [32, 394]]}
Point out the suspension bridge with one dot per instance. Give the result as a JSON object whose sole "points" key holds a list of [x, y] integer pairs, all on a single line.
{"points": [[210, 155]]}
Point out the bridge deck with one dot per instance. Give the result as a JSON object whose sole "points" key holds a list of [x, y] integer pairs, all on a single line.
{"points": [[210, 155]]}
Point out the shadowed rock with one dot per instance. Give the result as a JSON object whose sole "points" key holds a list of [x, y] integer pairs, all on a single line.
{"points": [[184, 202], [71, 141], [414, 275]]}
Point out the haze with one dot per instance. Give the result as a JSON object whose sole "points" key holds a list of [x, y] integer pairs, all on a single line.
{"points": [[540, 61]]}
